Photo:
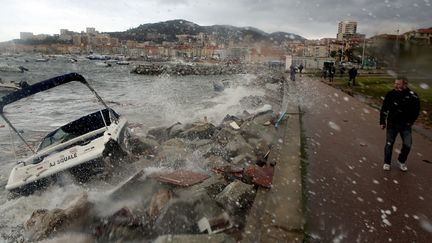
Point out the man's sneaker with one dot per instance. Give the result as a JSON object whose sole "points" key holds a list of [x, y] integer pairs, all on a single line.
{"points": [[403, 166], [386, 167]]}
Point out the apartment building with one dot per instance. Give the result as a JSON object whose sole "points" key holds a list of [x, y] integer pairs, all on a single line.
{"points": [[346, 29]]}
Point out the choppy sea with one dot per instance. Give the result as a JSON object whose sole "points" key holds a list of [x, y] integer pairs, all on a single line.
{"points": [[146, 101]]}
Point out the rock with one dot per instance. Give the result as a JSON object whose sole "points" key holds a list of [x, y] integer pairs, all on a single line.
{"points": [[175, 129], [122, 226], [216, 238], [158, 202], [141, 146], [236, 196], [237, 146], [260, 147], [158, 133], [255, 130], [72, 238], [244, 159], [218, 150], [224, 135], [201, 131], [212, 187], [45, 223], [215, 161], [177, 217], [173, 153]]}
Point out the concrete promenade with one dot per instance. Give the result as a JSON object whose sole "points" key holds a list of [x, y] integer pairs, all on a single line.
{"points": [[277, 214], [349, 197]]}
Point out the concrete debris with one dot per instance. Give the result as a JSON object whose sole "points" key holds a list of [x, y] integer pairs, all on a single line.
{"points": [[215, 225], [165, 201], [261, 176], [234, 125], [236, 196]]}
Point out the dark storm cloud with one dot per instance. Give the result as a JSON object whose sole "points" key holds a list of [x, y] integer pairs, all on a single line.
{"points": [[309, 18], [318, 16]]}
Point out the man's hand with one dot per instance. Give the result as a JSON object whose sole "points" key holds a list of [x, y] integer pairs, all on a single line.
{"points": [[383, 126]]}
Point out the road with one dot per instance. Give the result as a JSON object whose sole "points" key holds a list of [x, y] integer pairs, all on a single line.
{"points": [[349, 196]]}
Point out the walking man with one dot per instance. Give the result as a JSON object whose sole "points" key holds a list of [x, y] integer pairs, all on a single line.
{"points": [[399, 111]]}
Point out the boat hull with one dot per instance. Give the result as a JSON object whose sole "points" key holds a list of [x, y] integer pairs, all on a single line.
{"points": [[80, 158]]}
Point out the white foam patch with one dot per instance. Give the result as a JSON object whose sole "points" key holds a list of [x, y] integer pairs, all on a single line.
{"points": [[228, 103]]}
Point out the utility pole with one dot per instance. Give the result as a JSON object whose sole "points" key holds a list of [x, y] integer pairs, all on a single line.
{"points": [[397, 49], [364, 44], [342, 54]]}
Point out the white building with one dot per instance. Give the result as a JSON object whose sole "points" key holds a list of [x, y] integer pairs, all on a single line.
{"points": [[26, 35], [346, 28]]}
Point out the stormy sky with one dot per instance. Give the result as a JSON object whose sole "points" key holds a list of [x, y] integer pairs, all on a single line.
{"points": [[312, 19]]}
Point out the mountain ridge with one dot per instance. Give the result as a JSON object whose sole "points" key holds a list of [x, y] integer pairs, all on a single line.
{"points": [[167, 31]]}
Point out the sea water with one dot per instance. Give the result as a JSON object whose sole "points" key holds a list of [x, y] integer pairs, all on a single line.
{"points": [[146, 101]]}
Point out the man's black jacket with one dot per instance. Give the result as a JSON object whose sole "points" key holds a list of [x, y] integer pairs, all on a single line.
{"points": [[400, 108]]}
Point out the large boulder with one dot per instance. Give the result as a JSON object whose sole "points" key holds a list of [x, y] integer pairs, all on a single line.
{"points": [[178, 217], [45, 223], [173, 153], [236, 196]]}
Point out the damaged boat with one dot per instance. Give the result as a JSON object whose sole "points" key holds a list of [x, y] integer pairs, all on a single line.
{"points": [[81, 146]]}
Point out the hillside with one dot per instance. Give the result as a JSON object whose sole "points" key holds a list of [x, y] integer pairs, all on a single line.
{"points": [[167, 31]]}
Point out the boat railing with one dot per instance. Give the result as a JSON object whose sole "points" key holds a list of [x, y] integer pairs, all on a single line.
{"points": [[39, 156]]}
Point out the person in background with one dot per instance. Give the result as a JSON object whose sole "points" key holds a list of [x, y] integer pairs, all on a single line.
{"points": [[292, 72], [300, 69], [352, 76], [332, 71], [399, 111]]}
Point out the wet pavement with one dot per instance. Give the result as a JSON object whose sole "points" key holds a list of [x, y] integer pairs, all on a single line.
{"points": [[349, 196]]}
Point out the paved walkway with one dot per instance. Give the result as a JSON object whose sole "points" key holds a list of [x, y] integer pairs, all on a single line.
{"points": [[350, 197]]}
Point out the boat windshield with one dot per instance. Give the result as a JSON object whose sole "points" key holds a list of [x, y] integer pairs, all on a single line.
{"points": [[76, 128]]}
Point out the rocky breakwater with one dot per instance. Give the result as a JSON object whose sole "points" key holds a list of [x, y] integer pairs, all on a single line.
{"points": [[188, 69], [195, 183]]}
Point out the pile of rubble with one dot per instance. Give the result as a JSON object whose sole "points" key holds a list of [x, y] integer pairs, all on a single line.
{"points": [[194, 183], [211, 197]]}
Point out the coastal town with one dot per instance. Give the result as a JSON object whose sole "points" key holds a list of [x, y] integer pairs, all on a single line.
{"points": [[347, 46]]}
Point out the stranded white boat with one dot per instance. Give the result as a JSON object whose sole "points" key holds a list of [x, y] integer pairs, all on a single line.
{"points": [[81, 146]]}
